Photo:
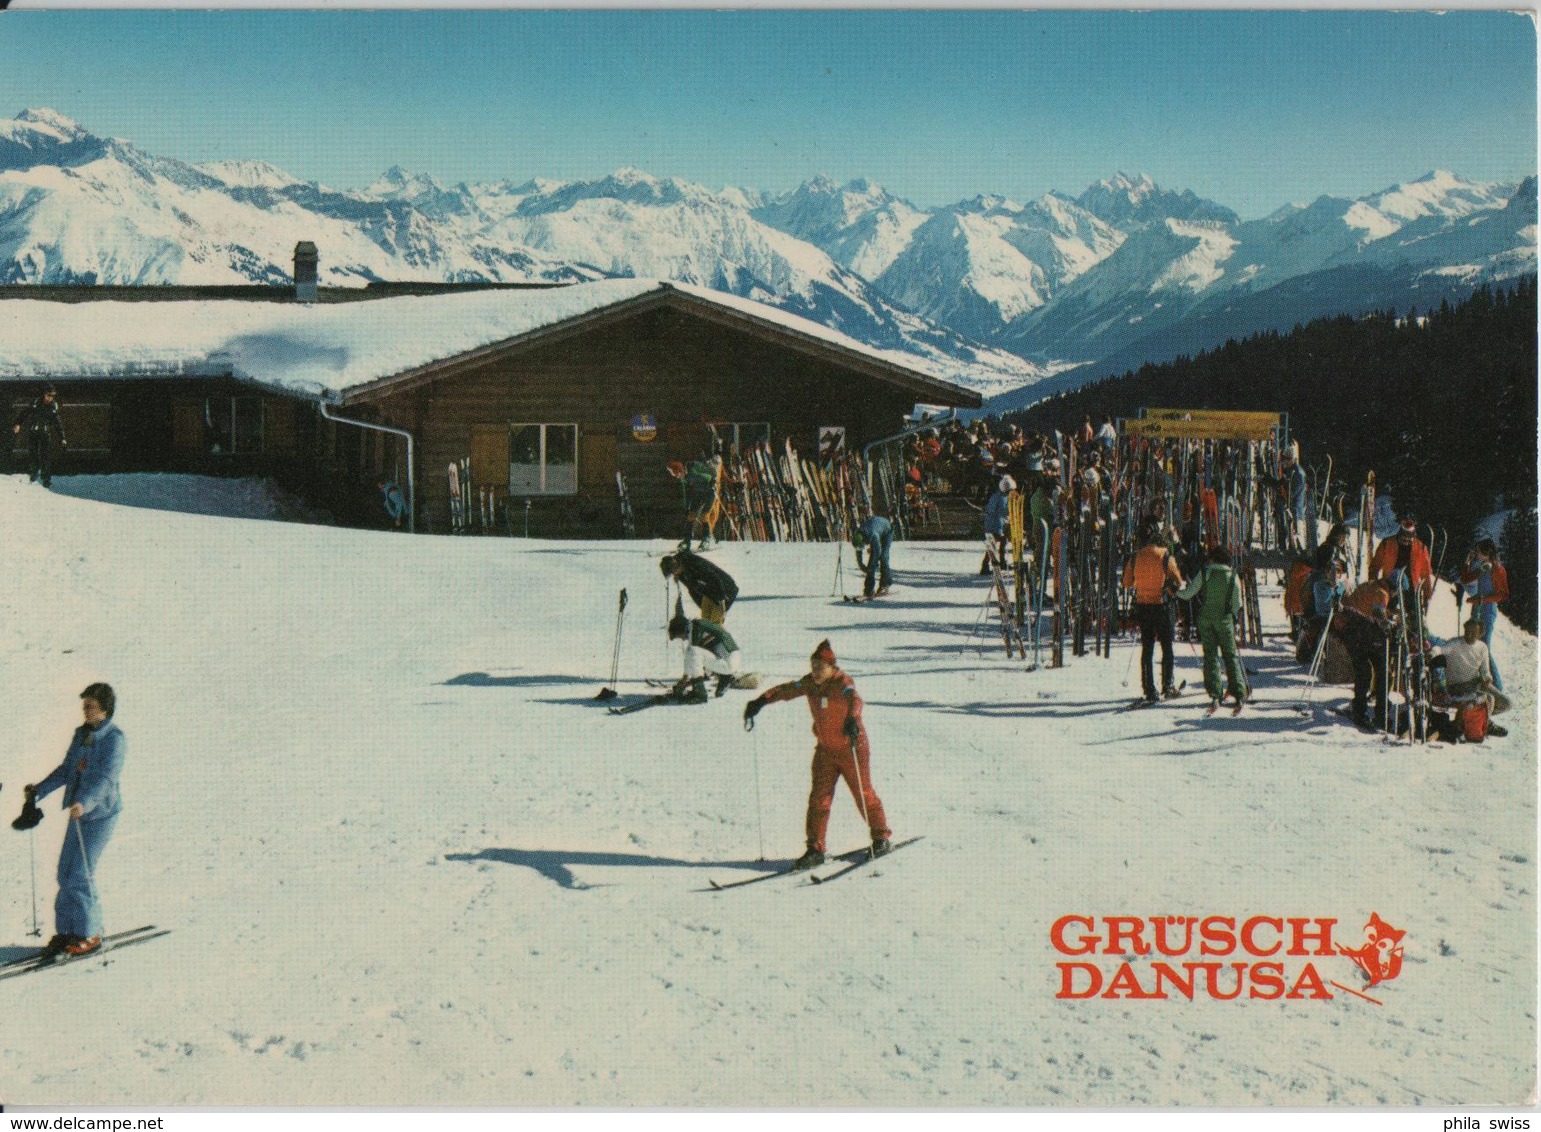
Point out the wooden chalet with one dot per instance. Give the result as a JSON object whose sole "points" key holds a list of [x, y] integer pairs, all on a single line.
{"points": [[548, 391]]}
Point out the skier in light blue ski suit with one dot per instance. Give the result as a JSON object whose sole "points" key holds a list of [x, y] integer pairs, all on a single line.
{"points": [[89, 775]]}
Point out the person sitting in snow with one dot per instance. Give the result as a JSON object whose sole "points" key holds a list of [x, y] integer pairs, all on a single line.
{"points": [[709, 650], [1469, 672], [840, 751], [709, 585]]}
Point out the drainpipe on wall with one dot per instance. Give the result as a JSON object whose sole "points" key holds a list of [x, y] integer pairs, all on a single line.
{"points": [[405, 435]]}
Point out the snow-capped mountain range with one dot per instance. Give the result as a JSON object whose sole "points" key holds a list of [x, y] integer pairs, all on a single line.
{"points": [[999, 295]]}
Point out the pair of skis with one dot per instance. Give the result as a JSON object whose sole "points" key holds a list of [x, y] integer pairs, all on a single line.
{"points": [[647, 702], [28, 964], [850, 862]]}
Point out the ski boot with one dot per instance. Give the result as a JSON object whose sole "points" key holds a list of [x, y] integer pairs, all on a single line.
{"points": [[811, 859], [84, 946], [723, 684], [691, 691], [1170, 693], [881, 846]]}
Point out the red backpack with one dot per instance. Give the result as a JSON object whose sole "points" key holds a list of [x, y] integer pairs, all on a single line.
{"points": [[1473, 721]]}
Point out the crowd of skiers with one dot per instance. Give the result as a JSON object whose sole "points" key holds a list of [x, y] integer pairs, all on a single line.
{"points": [[1180, 576], [970, 460], [1453, 688]]}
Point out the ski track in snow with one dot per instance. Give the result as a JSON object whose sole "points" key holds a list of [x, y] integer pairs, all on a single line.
{"points": [[409, 860]]}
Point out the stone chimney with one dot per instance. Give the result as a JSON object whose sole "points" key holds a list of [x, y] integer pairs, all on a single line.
{"points": [[305, 261]]}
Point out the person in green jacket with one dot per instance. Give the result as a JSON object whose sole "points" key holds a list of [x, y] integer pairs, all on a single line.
{"points": [[1220, 595]]}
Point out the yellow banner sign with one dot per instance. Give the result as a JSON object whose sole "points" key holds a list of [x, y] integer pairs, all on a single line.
{"points": [[1156, 428], [1226, 416]]}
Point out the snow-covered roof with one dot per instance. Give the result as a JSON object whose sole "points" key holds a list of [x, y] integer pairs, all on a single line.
{"points": [[327, 349]]}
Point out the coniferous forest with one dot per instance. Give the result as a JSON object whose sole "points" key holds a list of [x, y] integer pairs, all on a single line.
{"points": [[1440, 404]]}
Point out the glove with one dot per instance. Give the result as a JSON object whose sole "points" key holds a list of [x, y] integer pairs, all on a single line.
{"points": [[852, 728], [752, 709], [30, 814]]}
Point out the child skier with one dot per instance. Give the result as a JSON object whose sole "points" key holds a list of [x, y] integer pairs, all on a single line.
{"points": [[841, 750]]}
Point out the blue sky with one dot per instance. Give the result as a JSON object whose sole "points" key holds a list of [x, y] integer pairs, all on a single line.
{"points": [[1251, 109]]}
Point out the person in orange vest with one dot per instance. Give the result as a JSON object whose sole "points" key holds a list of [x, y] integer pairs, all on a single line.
{"points": [[840, 750], [1367, 624], [1406, 552], [1153, 576]]}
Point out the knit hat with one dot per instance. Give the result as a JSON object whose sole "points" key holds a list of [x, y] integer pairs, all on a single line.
{"points": [[679, 627], [824, 653], [1008, 485]]}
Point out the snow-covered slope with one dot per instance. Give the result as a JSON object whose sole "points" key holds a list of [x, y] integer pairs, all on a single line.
{"points": [[409, 860]]}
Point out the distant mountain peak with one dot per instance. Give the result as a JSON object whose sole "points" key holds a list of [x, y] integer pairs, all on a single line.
{"points": [[1135, 185], [631, 175], [248, 173], [1127, 199], [45, 116]]}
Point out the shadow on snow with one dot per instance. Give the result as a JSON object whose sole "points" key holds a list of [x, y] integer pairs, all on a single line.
{"points": [[554, 865]]}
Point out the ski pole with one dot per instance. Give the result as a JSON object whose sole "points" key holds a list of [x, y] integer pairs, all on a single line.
{"points": [[85, 861], [37, 929], [608, 692], [861, 798], [1321, 647], [759, 816]]}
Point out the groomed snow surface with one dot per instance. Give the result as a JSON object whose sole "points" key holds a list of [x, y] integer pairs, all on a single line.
{"points": [[409, 860]]}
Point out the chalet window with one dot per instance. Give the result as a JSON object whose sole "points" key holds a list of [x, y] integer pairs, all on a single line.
{"points": [[738, 436], [232, 425], [543, 459]]}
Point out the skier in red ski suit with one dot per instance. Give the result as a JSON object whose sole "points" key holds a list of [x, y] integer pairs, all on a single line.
{"points": [[841, 750]]}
